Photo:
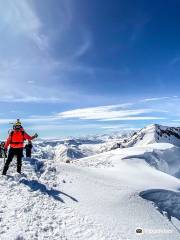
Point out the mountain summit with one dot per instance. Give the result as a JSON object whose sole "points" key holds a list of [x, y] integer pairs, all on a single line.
{"points": [[155, 134]]}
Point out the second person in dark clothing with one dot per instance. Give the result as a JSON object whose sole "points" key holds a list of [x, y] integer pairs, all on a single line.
{"points": [[3, 151], [28, 148]]}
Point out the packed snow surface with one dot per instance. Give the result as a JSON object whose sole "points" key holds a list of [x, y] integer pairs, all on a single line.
{"points": [[107, 196]]}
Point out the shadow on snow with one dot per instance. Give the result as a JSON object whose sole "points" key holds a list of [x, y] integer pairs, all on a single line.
{"points": [[167, 201], [34, 185]]}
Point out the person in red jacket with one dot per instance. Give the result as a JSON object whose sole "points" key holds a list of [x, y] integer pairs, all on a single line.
{"points": [[16, 142]]}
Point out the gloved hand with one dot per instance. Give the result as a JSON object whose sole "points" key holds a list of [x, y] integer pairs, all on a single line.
{"points": [[35, 135]]}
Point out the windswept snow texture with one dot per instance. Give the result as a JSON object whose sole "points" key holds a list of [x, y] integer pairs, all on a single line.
{"points": [[106, 195]]}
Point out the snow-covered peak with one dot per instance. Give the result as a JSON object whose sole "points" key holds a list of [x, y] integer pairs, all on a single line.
{"points": [[67, 153], [155, 134]]}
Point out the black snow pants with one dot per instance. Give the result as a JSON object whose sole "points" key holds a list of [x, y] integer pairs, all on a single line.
{"points": [[14, 152], [28, 152]]}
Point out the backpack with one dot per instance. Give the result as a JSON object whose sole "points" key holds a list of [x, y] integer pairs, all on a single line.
{"points": [[12, 134]]}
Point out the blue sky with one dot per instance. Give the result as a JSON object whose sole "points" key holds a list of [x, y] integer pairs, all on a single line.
{"points": [[77, 67]]}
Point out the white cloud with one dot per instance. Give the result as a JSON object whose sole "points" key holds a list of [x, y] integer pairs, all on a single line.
{"points": [[107, 113], [119, 112], [119, 127], [23, 27], [26, 81], [176, 120], [133, 118], [20, 17], [30, 99], [101, 113], [158, 99], [6, 121]]}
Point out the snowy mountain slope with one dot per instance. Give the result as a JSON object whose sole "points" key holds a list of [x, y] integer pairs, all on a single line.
{"points": [[113, 201], [161, 156], [67, 153], [98, 197], [68, 150], [137, 175], [155, 133]]}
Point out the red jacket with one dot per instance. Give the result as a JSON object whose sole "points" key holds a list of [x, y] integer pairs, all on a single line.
{"points": [[16, 139]]}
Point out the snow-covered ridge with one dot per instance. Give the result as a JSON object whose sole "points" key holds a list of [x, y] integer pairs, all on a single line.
{"points": [[155, 134]]}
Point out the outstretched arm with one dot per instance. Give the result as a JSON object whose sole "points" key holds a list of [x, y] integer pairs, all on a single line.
{"points": [[28, 137]]}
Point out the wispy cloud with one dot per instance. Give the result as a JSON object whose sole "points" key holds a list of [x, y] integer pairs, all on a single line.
{"points": [[6, 121], [159, 99], [119, 112], [84, 46], [31, 99], [124, 127], [175, 60], [121, 117], [21, 18], [101, 113], [133, 118], [108, 113], [29, 59]]}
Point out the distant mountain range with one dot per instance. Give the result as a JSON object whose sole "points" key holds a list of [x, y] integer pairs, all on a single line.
{"points": [[75, 148]]}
